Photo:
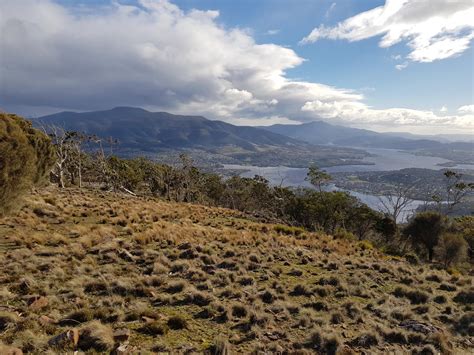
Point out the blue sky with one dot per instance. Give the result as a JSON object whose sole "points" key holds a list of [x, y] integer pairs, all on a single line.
{"points": [[384, 65]]}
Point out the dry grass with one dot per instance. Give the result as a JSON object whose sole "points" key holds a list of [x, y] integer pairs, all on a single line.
{"points": [[185, 277]]}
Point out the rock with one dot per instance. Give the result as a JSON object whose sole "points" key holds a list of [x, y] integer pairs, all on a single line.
{"points": [[419, 327], [70, 337], [122, 335], [45, 320], [124, 349], [38, 303]]}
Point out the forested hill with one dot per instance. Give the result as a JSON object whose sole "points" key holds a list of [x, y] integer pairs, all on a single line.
{"points": [[320, 132], [137, 128]]}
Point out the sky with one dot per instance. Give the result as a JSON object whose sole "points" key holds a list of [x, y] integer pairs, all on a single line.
{"points": [[395, 65]]}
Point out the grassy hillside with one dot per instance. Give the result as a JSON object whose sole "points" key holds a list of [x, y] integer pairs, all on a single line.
{"points": [[80, 268]]}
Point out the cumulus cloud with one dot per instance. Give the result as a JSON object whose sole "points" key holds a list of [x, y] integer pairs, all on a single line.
{"points": [[466, 109], [433, 29], [157, 56], [352, 111]]}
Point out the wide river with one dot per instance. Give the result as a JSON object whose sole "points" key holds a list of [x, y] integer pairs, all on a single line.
{"points": [[382, 160]]}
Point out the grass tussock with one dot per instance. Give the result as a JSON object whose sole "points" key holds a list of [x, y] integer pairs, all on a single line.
{"points": [[181, 277]]}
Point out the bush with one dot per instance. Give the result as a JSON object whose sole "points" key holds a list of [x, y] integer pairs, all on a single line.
{"points": [[424, 230], [26, 156], [451, 249], [415, 296], [177, 322], [465, 297]]}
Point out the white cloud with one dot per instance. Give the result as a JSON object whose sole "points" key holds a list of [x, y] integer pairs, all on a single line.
{"points": [[401, 66], [358, 112], [272, 32], [433, 29], [159, 57], [329, 10], [443, 109], [466, 109]]}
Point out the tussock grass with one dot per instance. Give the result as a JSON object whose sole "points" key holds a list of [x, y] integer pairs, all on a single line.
{"points": [[182, 276]]}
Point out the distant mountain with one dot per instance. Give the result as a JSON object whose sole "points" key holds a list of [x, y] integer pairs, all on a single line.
{"points": [[320, 132], [162, 134], [136, 128], [445, 138]]}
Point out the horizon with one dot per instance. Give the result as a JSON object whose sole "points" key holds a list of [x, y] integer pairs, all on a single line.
{"points": [[411, 72]]}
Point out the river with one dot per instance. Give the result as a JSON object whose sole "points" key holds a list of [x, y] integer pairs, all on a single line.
{"points": [[381, 160]]}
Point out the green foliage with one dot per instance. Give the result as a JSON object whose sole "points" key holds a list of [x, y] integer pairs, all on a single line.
{"points": [[317, 177], [451, 249], [424, 231], [26, 157]]}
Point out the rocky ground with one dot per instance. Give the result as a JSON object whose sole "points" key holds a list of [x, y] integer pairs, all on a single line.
{"points": [[102, 272]]}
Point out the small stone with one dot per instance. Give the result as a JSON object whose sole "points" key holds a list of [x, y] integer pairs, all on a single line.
{"points": [[124, 349], [45, 320], [70, 337], [121, 335]]}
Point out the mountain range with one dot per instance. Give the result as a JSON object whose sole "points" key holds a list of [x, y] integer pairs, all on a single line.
{"points": [[164, 135], [161, 134], [319, 132]]}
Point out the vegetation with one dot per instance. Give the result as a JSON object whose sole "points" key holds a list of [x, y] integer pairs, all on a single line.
{"points": [[130, 255], [26, 156], [94, 271]]}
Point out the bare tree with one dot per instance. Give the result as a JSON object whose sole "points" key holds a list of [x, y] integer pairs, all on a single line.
{"points": [[397, 201], [60, 141]]}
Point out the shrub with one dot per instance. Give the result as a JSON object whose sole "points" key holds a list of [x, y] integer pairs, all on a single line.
{"points": [[220, 346], [7, 318], [96, 336], [412, 259], [154, 328], [415, 296], [26, 156], [451, 249], [177, 322], [287, 230], [301, 290], [424, 230], [325, 345], [465, 324], [239, 311], [465, 297], [366, 340]]}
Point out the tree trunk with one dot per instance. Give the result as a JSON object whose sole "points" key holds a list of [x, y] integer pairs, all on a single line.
{"points": [[61, 178]]}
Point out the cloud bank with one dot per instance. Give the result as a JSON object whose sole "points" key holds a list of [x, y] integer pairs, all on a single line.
{"points": [[433, 29], [159, 57]]}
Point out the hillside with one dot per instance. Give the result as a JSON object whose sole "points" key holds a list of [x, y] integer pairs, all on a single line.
{"points": [[320, 132], [163, 135], [79, 267]]}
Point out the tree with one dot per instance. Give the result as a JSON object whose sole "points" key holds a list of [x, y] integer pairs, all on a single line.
{"points": [[456, 189], [424, 230], [26, 157], [317, 177], [451, 249], [397, 201]]}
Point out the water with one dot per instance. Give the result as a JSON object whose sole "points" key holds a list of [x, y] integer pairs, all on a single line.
{"points": [[391, 159], [382, 160]]}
